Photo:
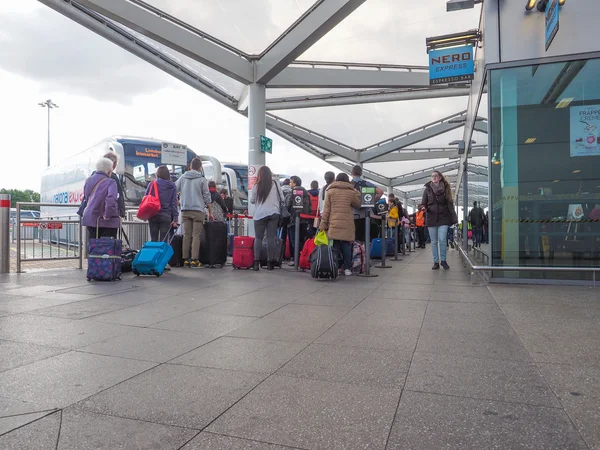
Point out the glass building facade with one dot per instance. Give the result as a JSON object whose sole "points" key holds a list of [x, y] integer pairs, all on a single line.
{"points": [[544, 169]]}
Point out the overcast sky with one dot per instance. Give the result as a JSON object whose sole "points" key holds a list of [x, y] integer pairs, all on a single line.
{"points": [[103, 90]]}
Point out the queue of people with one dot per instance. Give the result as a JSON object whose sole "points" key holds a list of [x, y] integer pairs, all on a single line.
{"points": [[336, 206]]}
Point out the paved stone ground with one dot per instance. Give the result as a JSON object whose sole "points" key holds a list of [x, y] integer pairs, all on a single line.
{"points": [[222, 359]]}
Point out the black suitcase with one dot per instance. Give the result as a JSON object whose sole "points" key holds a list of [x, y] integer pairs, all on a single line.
{"points": [[324, 263], [213, 244], [279, 250], [177, 244]]}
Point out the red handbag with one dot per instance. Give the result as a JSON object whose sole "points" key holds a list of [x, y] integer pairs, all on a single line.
{"points": [[150, 204]]}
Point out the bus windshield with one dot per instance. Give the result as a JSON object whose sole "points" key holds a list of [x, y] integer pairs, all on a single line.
{"points": [[141, 162]]}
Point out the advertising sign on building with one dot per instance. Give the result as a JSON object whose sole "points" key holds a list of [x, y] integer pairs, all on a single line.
{"points": [[552, 22], [451, 65], [585, 139], [174, 154]]}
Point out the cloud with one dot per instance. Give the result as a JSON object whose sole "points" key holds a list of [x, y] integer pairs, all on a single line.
{"points": [[44, 46]]}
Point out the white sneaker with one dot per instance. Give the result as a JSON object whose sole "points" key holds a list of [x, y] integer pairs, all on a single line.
{"points": [[348, 273], [291, 264]]}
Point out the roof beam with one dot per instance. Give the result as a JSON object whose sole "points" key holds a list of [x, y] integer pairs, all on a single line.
{"points": [[160, 27], [418, 154], [481, 126], [412, 137], [115, 34], [311, 27], [318, 140], [423, 173], [298, 142], [352, 77], [477, 170], [362, 97]]}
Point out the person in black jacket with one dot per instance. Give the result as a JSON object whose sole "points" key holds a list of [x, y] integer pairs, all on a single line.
{"points": [[439, 216], [228, 200], [296, 184], [220, 212], [477, 220]]}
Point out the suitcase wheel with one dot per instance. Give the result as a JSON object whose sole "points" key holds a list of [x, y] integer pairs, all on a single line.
{"points": [[89, 279], [234, 266], [137, 274]]}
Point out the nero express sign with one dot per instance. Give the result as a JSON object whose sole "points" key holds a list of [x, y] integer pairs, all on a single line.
{"points": [[451, 65]]}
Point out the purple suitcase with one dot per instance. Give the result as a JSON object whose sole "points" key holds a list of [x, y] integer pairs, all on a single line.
{"points": [[104, 259]]}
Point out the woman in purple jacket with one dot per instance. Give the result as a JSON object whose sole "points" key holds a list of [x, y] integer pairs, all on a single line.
{"points": [[166, 218], [101, 215]]}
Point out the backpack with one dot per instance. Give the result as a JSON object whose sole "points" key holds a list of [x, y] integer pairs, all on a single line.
{"points": [[324, 263], [307, 250]]}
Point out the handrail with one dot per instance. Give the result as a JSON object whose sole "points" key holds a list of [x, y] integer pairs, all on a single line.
{"points": [[475, 268]]}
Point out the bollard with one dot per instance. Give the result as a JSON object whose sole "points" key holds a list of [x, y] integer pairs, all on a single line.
{"points": [[235, 225], [409, 240], [383, 245], [297, 242], [4, 233], [368, 249]]}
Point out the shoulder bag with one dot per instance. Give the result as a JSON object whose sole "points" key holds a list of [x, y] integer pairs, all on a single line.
{"points": [[150, 204]]}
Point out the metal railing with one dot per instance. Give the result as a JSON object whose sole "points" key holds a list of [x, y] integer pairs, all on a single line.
{"points": [[57, 239], [483, 270]]}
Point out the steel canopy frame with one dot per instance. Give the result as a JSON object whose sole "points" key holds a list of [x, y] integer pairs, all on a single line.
{"points": [[412, 137], [423, 173], [307, 30], [150, 24], [362, 97], [322, 77], [418, 154], [115, 34]]}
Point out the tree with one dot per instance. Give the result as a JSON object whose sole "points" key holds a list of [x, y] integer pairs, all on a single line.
{"points": [[17, 195]]}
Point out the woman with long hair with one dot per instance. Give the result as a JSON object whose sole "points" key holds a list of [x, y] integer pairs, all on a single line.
{"points": [[439, 216], [267, 196]]}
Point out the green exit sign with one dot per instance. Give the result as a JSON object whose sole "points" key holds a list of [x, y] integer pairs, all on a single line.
{"points": [[266, 144]]}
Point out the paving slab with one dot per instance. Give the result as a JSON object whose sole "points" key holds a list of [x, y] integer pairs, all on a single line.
{"points": [[65, 379], [80, 309], [401, 293], [467, 297], [8, 424], [148, 344], [327, 299], [39, 435], [563, 347], [249, 305], [250, 355], [176, 395], [312, 414], [205, 323], [353, 365], [371, 335], [59, 333], [294, 323], [84, 430], [578, 389], [448, 340], [502, 380], [429, 421], [211, 441], [16, 354]]}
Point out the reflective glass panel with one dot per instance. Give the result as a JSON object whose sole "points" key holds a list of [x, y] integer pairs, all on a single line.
{"points": [[545, 171]]}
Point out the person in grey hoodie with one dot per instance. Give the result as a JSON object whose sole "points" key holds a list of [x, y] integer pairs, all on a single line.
{"points": [[167, 217], [195, 200]]}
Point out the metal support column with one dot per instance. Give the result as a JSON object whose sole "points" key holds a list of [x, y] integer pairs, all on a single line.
{"points": [[297, 242], [5, 233], [383, 265], [257, 121], [465, 188]]}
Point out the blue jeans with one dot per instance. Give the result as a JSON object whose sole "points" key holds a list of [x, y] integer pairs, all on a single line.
{"points": [[438, 235], [345, 248]]}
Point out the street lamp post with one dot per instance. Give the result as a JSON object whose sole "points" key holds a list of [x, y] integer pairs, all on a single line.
{"points": [[48, 104]]}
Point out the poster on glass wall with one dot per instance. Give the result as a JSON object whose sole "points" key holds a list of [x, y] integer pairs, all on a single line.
{"points": [[585, 123]]}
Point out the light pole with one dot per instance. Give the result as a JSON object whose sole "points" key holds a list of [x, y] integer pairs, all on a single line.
{"points": [[48, 104]]}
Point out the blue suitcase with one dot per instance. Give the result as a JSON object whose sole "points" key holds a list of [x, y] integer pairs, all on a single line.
{"points": [[152, 258], [376, 244]]}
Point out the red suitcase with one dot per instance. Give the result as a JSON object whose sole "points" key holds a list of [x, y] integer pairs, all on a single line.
{"points": [[243, 252]]}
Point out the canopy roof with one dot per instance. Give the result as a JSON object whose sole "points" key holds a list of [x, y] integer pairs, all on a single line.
{"points": [[345, 79]]}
